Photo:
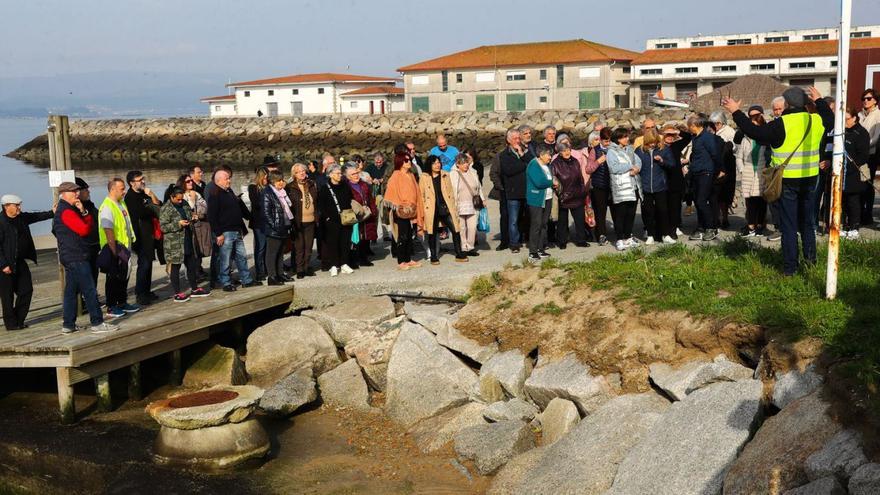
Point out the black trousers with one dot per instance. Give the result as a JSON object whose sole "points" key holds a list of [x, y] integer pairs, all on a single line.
{"points": [[192, 262], [673, 209], [337, 242], [16, 292], [756, 211], [868, 193], [655, 214], [706, 201], [274, 256], [624, 215], [538, 220], [116, 287], [580, 226], [434, 239], [303, 238], [600, 199], [852, 210], [404, 248], [505, 224]]}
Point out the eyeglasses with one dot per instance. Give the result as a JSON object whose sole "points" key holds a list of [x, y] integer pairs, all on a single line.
{"points": [[188, 181], [868, 98]]}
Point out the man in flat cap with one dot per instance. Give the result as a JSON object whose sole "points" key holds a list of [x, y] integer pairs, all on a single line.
{"points": [[16, 246]]}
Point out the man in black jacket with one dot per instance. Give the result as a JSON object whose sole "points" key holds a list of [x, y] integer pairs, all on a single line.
{"points": [[227, 223], [513, 162], [143, 206], [16, 246]]}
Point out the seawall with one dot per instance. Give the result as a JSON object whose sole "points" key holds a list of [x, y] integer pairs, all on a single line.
{"points": [[247, 140]]}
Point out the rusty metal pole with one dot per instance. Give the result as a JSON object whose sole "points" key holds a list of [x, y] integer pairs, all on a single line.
{"points": [[837, 160]]}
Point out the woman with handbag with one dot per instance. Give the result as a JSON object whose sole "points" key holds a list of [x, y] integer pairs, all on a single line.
{"points": [[405, 201], [336, 221], [175, 219], [440, 207], [278, 217], [624, 167], [303, 194], [752, 158], [257, 222], [568, 171], [470, 201], [856, 173], [367, 212]]}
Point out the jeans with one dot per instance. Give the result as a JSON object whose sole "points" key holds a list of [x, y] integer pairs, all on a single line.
{"points": [[796, 208], [144, 277], [513, 209], [16, 291], [233, 246], [78, 278], [116, 287], [259, 253], [539, 217], [706, 202]]}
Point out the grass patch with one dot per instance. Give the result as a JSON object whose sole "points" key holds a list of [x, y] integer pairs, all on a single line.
{"points": [[549, 308], [484, 286], [504, 304]]}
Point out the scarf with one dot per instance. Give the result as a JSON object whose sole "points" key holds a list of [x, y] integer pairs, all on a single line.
{"points": [[307, 197], [285, 201]]}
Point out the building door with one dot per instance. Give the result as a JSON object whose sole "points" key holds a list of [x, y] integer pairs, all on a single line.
{"points": [[516, 102], [872, 76], [419, 104], [371, 107], [296, 108], [588, 100], [485, 103], [382, 107], [272, 109]]}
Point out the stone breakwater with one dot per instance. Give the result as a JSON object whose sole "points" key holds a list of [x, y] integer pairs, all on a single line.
{"points": [[247, 140]]}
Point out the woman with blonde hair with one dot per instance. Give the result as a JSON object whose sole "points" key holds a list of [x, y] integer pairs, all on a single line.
{"points": [[303, 195], [257, 223], [469, 200], [656, 158]]}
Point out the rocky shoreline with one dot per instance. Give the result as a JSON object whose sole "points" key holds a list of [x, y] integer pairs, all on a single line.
{"points": [[247, 140]]}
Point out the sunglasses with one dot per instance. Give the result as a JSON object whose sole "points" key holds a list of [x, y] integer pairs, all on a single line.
{"points": [[188, 181], [868, 98]]}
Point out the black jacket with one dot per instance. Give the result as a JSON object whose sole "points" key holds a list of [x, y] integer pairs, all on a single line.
{"points": [[275, 222], [142, 211], [857, 144], [513, 172], [92, 240], [674, 175], [326, 205], [255, 196], [16, 242], [224, 211], [601, 177], [773, 133]]}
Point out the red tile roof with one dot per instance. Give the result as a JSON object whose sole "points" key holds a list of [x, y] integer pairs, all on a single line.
{"points": [[749, 52], [521, 54], [219, 98], [324, 77], [375, 90]]}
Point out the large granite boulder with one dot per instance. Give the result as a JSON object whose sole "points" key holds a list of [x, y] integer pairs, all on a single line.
{"points": [[283, 346], [344, 322], [513, 409], [491, 445], [677, 383], [424, 378], [866, 480], [560, 417], [510, 369], [510, 478], [569, 379], [433, 433], [290, 393], [773, 461], [795, 384], [693, 445], [345, 386], [216, 366], [840, 457], [372, 349], [443, 326]]}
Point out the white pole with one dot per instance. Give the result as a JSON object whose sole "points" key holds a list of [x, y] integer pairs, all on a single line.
{"points": [[837, 160]]}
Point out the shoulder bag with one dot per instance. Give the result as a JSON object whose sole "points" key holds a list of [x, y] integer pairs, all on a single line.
{"points": [[772, 176], [347, 216], [478, 201]]}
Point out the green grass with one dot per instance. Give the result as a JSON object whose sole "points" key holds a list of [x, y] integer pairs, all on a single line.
{"points": [[549, 308], [484, 286]]}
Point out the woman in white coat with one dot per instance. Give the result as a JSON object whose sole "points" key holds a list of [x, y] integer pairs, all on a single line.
{"points": [[469, 196]]}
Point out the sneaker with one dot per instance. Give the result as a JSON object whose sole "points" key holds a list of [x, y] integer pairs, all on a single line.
{"points": [[463, 259], [346, 269], [115, 312], [104, 328], [603, 240], [514, 250], [273, 281], [711, 234], [199, 292], [130, 308], [696, 236], [631, 242], [620, 245], [853, 234], [678, 232], [502, 247], [668, 240], [649, 241], [66, 331], [334, 271], [472, 252], [253, 283], [543, 254], [534, 258], [181, 297], [747, 232], [774, 236], [229, 288]]}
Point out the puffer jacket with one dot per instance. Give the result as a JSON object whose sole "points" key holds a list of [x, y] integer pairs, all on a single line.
{"points": [[751, 159], [275, 222], [653, 173], [601, 177], [624, 187], [572, 190]]}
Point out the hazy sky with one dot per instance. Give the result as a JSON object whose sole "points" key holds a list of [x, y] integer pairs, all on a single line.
{"points": [[261, 38]]}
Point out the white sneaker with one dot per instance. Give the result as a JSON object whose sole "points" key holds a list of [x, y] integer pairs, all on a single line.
{"points": [[346, 269], [632, 242], [621, 245], [104, 328], [649, 240], [334, 271], [852, 234], [668, 240], [678, 232]]}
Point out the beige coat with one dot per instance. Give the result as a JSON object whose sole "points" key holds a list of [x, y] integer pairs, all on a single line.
{"points": [[749, 175], [428, 201]]}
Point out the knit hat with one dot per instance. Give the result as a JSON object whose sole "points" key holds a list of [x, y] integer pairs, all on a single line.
{"points": [[795, 97], [759, 108]]}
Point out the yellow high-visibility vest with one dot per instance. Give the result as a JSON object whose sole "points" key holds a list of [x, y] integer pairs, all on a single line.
{"points": [[805, 161], [124, 234]]}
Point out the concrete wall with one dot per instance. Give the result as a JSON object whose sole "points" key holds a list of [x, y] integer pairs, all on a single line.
{"points": [[225, 108]]}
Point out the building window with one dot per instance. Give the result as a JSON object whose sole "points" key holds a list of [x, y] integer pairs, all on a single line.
{"points": [[588, 100], [560, 76], [651, 72], [247, 93], [685, 70], [815, 37], [459, 78], [589, 72], [354, 104], [295, 91], [516, 102], [665, 46], [216, 108], [485, 77], [834, 63], [802, 65], [697, 44], [419, 80], [860, 34], [485, 103], [627, 70], [419, 104], [760, 67], [739, 41], [515, 76], [542, 74], [459, 102], [802, 83], [723, 68], [444, 80], [621, 101], [271, 92], [542, 99], [776, 39], [320, 91]]}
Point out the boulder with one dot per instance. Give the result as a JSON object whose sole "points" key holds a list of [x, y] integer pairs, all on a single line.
{"points": [[373, 350], [283, 346], [510, 478], [211, 407], [569, 379], [773, 462], [694, 443], [442, 325], [840, 457], [435, 432], [866, 480], [490, 390], [491, 445], [585, 461], [217, 366], [424, 378], [290, 393], [346, 321], [795, 384], [677, 383], [344, 386], [510, 368], [560, 417], [822, 486], [514, 409]]}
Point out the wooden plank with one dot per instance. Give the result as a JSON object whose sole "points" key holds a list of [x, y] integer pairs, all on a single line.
{"points": [[102, 393], [42, 360], [66, 405]]}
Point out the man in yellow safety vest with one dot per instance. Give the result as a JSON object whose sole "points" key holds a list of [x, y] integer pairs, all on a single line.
{"points": [[117, 235]]}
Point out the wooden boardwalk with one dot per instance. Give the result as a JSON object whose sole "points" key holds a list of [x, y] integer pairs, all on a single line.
{"points": [[164, 327]]}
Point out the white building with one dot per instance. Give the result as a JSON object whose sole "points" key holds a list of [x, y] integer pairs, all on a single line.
{"points": [[302, 94], [374, 100], [683, 68]]}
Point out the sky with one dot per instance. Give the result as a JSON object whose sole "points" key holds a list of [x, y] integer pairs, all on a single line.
{"points": [[252, 39]]}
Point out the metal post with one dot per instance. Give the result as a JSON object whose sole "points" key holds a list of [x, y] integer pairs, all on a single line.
{"points": [[837, 160]]}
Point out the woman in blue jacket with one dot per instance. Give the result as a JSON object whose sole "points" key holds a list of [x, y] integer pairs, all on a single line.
{"points": [[539, 197], [656, 160]]}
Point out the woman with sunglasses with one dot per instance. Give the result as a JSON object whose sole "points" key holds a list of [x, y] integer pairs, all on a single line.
{"points": [[751, 159], [869, 118], [204, 240], [857, 151]]}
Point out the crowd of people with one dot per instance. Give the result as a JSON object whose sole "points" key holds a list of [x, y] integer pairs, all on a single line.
{"points": [[551, 193]]}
